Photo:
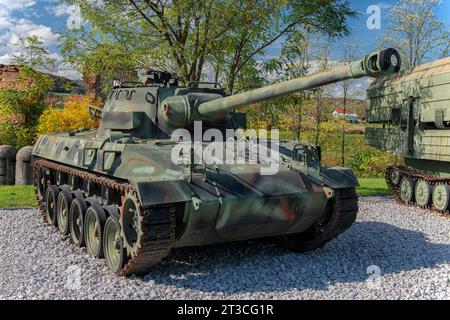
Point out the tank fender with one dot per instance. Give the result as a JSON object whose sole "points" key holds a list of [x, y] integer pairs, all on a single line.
{"points": [[339, 178], [163, 192]]}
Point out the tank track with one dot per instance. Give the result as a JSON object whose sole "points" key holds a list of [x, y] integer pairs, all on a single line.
{"points": [[158, 223], [394, 190], [339, 219]]}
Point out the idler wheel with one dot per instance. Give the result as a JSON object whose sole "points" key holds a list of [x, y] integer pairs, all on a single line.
{"points": [[94, 223], [62, 213], [113, 245], [423, 193], [441, 196], [406, 190], [76, 220], [51, 198], [131, 220]]}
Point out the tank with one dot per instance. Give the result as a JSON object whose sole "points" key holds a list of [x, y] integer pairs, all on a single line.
{"points": [[137, 187], [408, 115]]}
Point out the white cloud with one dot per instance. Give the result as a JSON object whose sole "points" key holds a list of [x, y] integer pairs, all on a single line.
{"points": [[58, 10], [16, 4], [25, 28], [74, 19], [385, 5], [13, 29]]}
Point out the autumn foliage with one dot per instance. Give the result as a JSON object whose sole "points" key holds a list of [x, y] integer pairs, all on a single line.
{"points": [[74, 116]]}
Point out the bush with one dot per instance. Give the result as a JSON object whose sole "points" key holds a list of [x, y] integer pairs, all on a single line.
{"points": [[20, 108], [73, 116]]}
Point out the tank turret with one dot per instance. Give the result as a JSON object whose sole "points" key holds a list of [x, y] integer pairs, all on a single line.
{"points": [[174, 107]]}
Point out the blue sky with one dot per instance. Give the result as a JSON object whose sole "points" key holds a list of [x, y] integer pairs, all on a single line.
{"points": [[47, 18]]}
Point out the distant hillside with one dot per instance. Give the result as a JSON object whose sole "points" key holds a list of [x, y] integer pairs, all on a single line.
{"points": [[356, 105], [9, 75], [64, 85]]}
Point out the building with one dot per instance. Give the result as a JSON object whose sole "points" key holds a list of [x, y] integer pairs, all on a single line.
{"points": [[9, 77], [350, 115]]}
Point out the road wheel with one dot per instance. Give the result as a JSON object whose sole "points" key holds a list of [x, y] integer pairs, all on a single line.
{"points": [[94, 223], [51, 198], [113, 245], [395, 177], [441, 196], [62, 214], [78, 209], [423, 193], [407, 190]]}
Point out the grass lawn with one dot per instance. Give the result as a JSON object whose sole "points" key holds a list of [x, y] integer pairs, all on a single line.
{"points": [[372, 187], [17, 196]]}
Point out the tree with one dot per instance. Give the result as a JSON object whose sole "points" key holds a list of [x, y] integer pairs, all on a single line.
{"points": [[258, 24], [227, 36], [293, 62], [322, 59], [73, 116], [349, 53], [20, 109], [99, 59], [416, 32], [34, 55]]}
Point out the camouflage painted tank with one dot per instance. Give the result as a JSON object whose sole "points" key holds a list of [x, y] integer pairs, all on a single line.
{"points": [[409, 115], [120, 191]]}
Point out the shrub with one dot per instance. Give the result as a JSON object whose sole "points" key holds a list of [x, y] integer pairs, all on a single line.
{"points": [[20, 108], [73, 116]]}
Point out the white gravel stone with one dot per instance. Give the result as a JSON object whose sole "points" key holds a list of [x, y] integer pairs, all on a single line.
{"points": [[391, 252]]}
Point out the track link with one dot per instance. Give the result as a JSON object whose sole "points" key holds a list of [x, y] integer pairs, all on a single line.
{"points": [[340, 217], [414, 176], [158, 223]]}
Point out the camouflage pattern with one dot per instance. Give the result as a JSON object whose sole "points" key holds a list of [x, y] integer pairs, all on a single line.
{"points": [[220, 202], [409, 115]]}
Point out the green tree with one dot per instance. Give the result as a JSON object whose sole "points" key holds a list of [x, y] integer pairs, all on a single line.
{"points": [[416, 31], [21, 108], [34, 55], [349, 52], [99, 58], [192, 37]]}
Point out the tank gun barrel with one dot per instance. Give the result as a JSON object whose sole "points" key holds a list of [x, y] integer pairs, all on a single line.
{"points": [[374, 65]]}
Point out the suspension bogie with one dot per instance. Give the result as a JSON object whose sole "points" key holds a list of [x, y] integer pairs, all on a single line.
{"points": [[414, 188], [105, 216]]}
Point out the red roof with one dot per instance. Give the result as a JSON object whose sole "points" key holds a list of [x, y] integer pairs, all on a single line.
{"points": [[339, 110]]}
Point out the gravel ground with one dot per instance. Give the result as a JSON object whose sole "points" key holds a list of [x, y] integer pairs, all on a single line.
{"points": [[408, 248]]}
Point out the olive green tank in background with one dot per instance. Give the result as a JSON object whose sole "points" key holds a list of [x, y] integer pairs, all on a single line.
{"points": [[117, 191], [408, 114]]}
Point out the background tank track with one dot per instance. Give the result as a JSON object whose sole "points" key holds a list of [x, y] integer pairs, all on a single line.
{"points": [[158, 223], [394, 190]]}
